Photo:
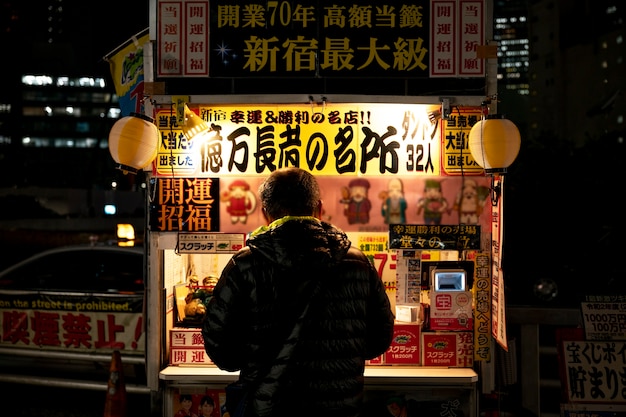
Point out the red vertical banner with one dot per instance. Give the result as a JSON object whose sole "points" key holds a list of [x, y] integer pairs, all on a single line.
{"points": [[196, 52], [471, 35], [183, 38], [169, 41], [498, 302], [457, 30], [443, 38]]}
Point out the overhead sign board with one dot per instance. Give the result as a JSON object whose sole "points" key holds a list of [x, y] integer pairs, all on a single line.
{"points": [[324, 138], [312, 38]]}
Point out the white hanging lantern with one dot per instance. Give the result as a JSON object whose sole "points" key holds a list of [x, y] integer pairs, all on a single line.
{"points": [[494, 143], [133, 142]]}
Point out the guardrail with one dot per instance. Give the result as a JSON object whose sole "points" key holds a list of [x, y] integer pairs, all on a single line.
{"points": [[85, 384], [532, 321], [68, 383]]}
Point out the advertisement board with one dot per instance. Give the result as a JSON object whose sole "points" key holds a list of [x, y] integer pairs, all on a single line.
{"points": [[439, 38], [72, 322]]}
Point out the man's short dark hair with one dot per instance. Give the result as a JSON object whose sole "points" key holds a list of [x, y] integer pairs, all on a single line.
{"points": [[290, 192]]}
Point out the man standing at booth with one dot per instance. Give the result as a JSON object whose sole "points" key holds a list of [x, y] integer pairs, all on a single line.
{"points": [[298, 311]]}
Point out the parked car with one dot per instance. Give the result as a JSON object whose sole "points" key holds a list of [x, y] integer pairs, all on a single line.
{"points": [[64, 311]]}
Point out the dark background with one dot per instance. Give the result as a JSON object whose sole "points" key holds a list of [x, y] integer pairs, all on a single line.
{"points": [[564, 225]]}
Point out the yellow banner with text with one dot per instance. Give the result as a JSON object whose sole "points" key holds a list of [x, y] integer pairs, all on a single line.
{"points": [[352, 139]]}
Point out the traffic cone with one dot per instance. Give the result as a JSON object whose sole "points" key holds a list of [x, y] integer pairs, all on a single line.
{"points": [[115, 405]]}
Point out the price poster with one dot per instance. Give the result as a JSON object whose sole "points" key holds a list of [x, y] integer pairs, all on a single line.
{"points": [[604, 320], [594, 371]]}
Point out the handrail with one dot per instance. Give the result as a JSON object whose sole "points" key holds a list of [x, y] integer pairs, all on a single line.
{"points": [[543, 315]]}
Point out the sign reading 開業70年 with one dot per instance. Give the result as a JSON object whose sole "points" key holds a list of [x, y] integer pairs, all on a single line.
{"points": [[434, 237]]}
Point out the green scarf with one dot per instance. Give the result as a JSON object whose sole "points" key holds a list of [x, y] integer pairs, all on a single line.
{"points": [[281, 221]]}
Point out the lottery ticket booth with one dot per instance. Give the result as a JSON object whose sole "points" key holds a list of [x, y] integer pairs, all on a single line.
{"points": [[396, 175], [386, 179]]}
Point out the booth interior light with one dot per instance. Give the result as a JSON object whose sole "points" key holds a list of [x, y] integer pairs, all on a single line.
{"points": [[194, 126], [125, 234]]}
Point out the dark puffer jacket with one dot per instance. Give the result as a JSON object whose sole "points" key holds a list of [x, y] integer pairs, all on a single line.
{"points": [[261, 294]]}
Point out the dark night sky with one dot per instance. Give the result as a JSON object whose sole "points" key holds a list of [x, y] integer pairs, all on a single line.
{"points": [[82, 33]]}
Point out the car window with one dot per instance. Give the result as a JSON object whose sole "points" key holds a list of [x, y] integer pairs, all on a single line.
{"points": [[80, 271]]}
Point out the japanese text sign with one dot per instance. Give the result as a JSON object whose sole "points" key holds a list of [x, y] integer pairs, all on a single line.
{"points": [[457, 29], [183, 38], [434, 237], [78, 323], [482, 307], [327, 139], [604, 319], [457, 158], [229, 38], [447, 349], [210, 242], [595, 371], [185, 205]]}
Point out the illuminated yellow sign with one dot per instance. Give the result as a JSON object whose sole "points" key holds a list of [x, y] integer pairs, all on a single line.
{"points": [[351, 139], [457, 158]]}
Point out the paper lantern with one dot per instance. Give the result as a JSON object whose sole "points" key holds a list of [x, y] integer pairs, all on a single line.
{"points": [[133, 142], [494, 143]]}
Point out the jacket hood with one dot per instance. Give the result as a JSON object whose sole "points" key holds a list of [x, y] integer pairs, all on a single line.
{"points": [[292, 241]]}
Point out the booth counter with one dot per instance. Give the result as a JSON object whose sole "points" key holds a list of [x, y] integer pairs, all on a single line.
{"points": [[374, 376], [427, 386]]}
